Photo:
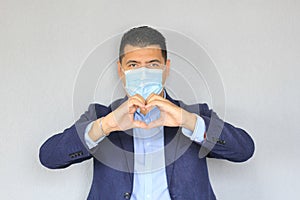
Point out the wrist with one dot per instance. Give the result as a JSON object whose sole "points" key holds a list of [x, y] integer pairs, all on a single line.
{"points": [[96, 131], [107, 125], [189, 120]]}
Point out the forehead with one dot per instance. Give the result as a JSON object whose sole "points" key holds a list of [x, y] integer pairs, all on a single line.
{"points": [[142, 53]]}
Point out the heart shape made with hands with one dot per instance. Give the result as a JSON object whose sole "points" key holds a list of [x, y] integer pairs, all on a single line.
{"points": [[145, 107], [170, 114]]}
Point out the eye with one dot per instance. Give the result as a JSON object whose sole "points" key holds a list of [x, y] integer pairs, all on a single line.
{"points": [[132, 65], [154, 65]]}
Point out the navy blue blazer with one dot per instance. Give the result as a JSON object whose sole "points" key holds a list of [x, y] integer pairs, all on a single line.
{"points": [[113, 158]]}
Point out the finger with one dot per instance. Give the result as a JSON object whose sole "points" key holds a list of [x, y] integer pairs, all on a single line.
{"points": [[140, 98], [155, 123], [152, 97], [133, 101], [157, 100], [132, 109], [157, 103], [139, 124]]}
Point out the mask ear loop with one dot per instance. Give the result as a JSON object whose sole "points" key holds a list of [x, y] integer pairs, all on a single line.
{"points": [[162, 78], [124, 80]]}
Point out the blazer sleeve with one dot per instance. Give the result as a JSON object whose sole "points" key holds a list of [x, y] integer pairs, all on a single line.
{"points": [[224, 140], [69, 147]]}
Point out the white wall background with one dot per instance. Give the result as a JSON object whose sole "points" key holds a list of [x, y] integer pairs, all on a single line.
{"points": [[253, 43]]}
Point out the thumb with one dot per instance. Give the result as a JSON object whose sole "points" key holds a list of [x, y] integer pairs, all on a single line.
{"points": [[155, 123], [139, 124]]}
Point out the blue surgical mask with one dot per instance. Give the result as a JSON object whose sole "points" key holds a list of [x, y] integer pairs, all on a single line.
{"points": [[143, 81]]}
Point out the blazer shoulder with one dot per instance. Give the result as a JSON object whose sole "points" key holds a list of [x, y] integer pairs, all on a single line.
{"points": [[199, 108], [99, 110]]}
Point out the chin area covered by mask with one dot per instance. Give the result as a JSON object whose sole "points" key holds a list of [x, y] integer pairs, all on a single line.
{"points": [[143, 81]]}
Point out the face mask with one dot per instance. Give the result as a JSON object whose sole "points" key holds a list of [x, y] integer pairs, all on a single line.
{"points": [[143, 81]]}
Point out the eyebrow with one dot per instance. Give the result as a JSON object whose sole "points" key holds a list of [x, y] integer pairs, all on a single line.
{"points": [[134, 61], [155, 60], [131, 61]]}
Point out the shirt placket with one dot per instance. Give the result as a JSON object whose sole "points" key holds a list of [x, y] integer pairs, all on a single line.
{"points": [[148, 166]]}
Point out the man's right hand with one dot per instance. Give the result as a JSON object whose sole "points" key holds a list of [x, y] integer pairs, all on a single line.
{"points": [[120, 119]]}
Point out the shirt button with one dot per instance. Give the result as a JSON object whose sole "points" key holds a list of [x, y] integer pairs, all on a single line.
{"points": [[127, 195]]}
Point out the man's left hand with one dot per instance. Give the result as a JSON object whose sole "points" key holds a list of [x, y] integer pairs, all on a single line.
{"points": [[170, 114]]}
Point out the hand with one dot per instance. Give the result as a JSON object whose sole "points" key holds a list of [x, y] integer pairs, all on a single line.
{"points": [[170, 114], [122, 118]]}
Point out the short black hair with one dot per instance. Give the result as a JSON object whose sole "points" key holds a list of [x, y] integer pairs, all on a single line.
{"points": [[141, 37]]}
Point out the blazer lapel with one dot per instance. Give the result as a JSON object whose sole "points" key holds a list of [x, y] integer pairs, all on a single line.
{"points": [[125, 140], [171, 140], [127, 145]]}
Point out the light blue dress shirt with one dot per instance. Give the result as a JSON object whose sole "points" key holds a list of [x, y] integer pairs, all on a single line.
{"points": [[150, 179]]}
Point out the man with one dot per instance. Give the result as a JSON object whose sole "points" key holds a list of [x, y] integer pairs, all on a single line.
{"points": [[147, 145]]}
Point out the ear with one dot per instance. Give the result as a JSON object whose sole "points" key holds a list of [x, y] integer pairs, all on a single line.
{"points": [[120, 71], [168, 63], [166, 71]]}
